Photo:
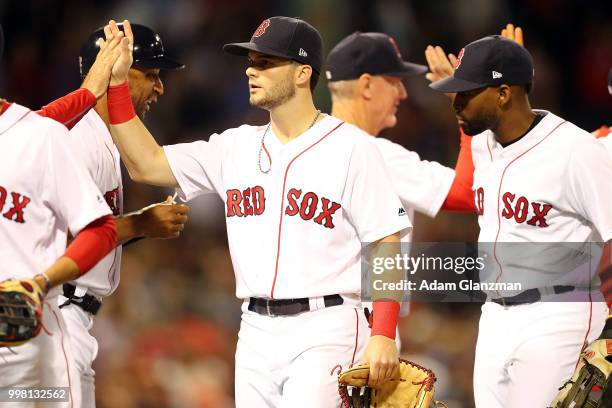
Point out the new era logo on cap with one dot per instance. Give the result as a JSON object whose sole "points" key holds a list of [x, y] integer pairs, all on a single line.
{"points": [[302, 53], [497, 75]]}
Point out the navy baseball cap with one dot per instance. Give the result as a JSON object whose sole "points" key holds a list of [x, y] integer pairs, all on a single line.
{"points": [[490, 61], [148, 50], [284, 37], [371, 53]]}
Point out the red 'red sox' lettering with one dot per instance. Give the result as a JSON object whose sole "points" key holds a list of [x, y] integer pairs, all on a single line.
{"points": [[519, 209], [252, 201], [15, 213], [308, 206]]}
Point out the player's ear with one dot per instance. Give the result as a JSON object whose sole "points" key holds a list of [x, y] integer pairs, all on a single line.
{"points": [[302, 75], [364, 86], [504, 96]]}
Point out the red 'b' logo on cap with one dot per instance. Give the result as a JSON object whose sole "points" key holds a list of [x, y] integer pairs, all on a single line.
{"points": [[459, 58], [395, 47], [262, 28]]}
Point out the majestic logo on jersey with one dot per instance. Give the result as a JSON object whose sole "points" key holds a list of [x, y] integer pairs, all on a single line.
{"points": [[262, 28], [19, 203], [251, 201], [112, 199], [401, 211], [522, 210], [308, 207]]}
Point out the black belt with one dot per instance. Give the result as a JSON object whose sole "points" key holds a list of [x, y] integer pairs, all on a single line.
{"points": [[88, 303], [529, 296], [288, 307]]}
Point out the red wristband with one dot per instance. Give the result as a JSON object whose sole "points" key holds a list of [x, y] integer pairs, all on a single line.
{"points": [[93, 243], [120, 108], [386, 313]]}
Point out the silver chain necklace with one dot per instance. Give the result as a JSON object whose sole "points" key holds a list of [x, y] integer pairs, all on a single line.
{"points": [[263, 138]]}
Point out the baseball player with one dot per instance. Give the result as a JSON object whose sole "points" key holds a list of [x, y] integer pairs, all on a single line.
{"points": [[44, 195], [537, 179], [92, 143], [300, 194]]}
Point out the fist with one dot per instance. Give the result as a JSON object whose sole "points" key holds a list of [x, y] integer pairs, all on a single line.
{"points": [[164, 220]]}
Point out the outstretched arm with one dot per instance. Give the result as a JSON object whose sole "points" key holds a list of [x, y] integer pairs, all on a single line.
{"points": [[144, 159], [69, 109]]}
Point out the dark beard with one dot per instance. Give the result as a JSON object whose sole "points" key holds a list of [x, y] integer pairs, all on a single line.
{"points": [[478, 125]]}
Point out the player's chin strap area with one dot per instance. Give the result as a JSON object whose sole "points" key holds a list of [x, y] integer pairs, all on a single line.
{"points": [[88, 303]]}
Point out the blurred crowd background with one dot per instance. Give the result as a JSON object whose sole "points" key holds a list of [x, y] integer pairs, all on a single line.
{"points": [[167, 336]]}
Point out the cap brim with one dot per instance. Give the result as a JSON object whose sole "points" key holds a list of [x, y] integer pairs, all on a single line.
{"points": [[243, 49], [409, 69], [161, 63], [452, 84]]}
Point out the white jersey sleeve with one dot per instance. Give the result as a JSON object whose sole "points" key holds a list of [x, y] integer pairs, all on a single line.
{"points": [[420, 184], [69, 186], [370, 199], [607, 142], [590, 190], [197, 166]]}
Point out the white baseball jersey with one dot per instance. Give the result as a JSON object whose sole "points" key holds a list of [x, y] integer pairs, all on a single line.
{"points": [[93, 145], [540, 201], [420, 184], [607, 142], [297, 230], [550, 186], [44, 193]]}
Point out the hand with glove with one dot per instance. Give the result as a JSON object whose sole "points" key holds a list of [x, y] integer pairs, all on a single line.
{"points": [[410, 386], [21, 303], [591, 384]]}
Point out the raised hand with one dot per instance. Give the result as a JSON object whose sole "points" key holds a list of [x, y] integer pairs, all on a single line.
{"points": [[440, 64], [98, 77], [513, 33], [120, 69]]}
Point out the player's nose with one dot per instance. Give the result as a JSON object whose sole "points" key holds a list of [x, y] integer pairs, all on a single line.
{"points": [[159, 87], [251, 72], [402, 91]]}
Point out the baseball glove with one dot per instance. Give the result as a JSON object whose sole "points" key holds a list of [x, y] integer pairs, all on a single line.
{"points": [[20, 311], [591, 384], [412, 386]]}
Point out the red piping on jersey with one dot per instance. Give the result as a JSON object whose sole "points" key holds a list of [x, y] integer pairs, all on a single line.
{"points": [[280, 223], [501, 180], [267, 152], [586, 335], [356, 337], [489, 148], [65, 357], [17, 121], [109, 275]]}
